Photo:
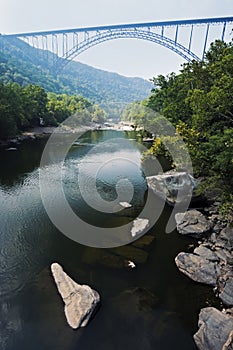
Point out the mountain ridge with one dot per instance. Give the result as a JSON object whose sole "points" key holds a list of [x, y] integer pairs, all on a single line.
{"points": [[21, 63]]}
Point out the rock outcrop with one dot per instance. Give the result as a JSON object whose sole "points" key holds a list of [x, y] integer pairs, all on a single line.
{"points": [[174, 187], [192, 222], [80, 300], [212, 263], [215, 330]]}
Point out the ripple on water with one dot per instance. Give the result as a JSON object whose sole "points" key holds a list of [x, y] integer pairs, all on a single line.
{"points": [[23, 238]]}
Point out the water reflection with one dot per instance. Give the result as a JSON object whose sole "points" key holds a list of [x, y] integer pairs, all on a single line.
{"points": [[150, 307]]}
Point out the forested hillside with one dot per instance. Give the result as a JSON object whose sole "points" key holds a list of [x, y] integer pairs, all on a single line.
{"points": [[25, 65], [198, 102]]}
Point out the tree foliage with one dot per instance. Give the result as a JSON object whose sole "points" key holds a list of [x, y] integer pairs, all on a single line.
{"points": [[198, 102], [31, 106]]}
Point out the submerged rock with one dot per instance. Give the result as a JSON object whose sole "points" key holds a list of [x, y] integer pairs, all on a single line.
{"points": [[95, 256], [144, 241], [215, 330], [138, 256], [135, 302], [174, 187], [80, 300], [118, 257], [192, 222]]}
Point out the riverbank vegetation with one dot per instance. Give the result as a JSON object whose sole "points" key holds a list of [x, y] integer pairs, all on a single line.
{"points": [[30, 106], [198, 102]]}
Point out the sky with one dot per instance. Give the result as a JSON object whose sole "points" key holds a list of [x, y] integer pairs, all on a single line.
{"points": [[128, 57]]}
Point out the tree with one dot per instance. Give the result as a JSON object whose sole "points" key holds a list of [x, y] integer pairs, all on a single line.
{"points": [[35, 104], [9, 109]]}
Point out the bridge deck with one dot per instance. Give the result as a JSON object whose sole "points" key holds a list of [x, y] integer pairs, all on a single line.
{"points": [[197, 21]]}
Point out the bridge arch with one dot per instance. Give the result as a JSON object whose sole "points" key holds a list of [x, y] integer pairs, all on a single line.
{"points": [[98, 38]]}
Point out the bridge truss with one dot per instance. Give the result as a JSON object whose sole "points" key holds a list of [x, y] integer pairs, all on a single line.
{"points": [[178, 36]]}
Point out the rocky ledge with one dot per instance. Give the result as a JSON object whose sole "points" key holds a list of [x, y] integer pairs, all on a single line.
{"points": [[210, 263], [80, 301]]}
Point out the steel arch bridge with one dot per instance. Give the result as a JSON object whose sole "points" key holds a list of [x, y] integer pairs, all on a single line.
{"points": [[67, 44]]}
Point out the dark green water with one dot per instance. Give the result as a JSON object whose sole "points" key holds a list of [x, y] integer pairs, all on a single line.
{"points": [[150, 307]]}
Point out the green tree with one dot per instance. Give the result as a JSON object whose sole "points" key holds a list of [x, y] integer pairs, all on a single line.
{"points": [[35, 104], [9, 110]]}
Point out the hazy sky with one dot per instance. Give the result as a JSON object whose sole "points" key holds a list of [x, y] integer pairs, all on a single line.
{"points": [[130, 57]]}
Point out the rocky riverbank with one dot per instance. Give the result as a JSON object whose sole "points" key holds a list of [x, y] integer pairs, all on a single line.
{"points": [[210, 263], [11, 144]]}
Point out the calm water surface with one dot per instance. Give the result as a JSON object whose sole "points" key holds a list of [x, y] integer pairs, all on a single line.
{"points": [[150, 307]]}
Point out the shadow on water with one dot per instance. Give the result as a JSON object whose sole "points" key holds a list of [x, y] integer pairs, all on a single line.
{"points": [[150, 307]]}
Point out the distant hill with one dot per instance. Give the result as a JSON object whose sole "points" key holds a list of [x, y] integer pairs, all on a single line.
{"points": [[24, 64]]}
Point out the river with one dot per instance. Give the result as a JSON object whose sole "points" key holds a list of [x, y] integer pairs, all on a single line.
{"points": [[152, 306]]}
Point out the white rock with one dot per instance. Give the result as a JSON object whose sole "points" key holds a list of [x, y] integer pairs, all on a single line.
{"points": [[125, 204], [80, 300], [139, 226], [131, 264], [174, 187]]}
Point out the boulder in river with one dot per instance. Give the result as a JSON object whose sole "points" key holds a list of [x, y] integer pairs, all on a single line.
{"points": [[192, 222], [139, 226], [215, 330], [80, 300], [198, 268], [174, 187]]}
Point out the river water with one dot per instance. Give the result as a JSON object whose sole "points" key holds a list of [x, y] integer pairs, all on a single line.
{"points": [[152, 306]]}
